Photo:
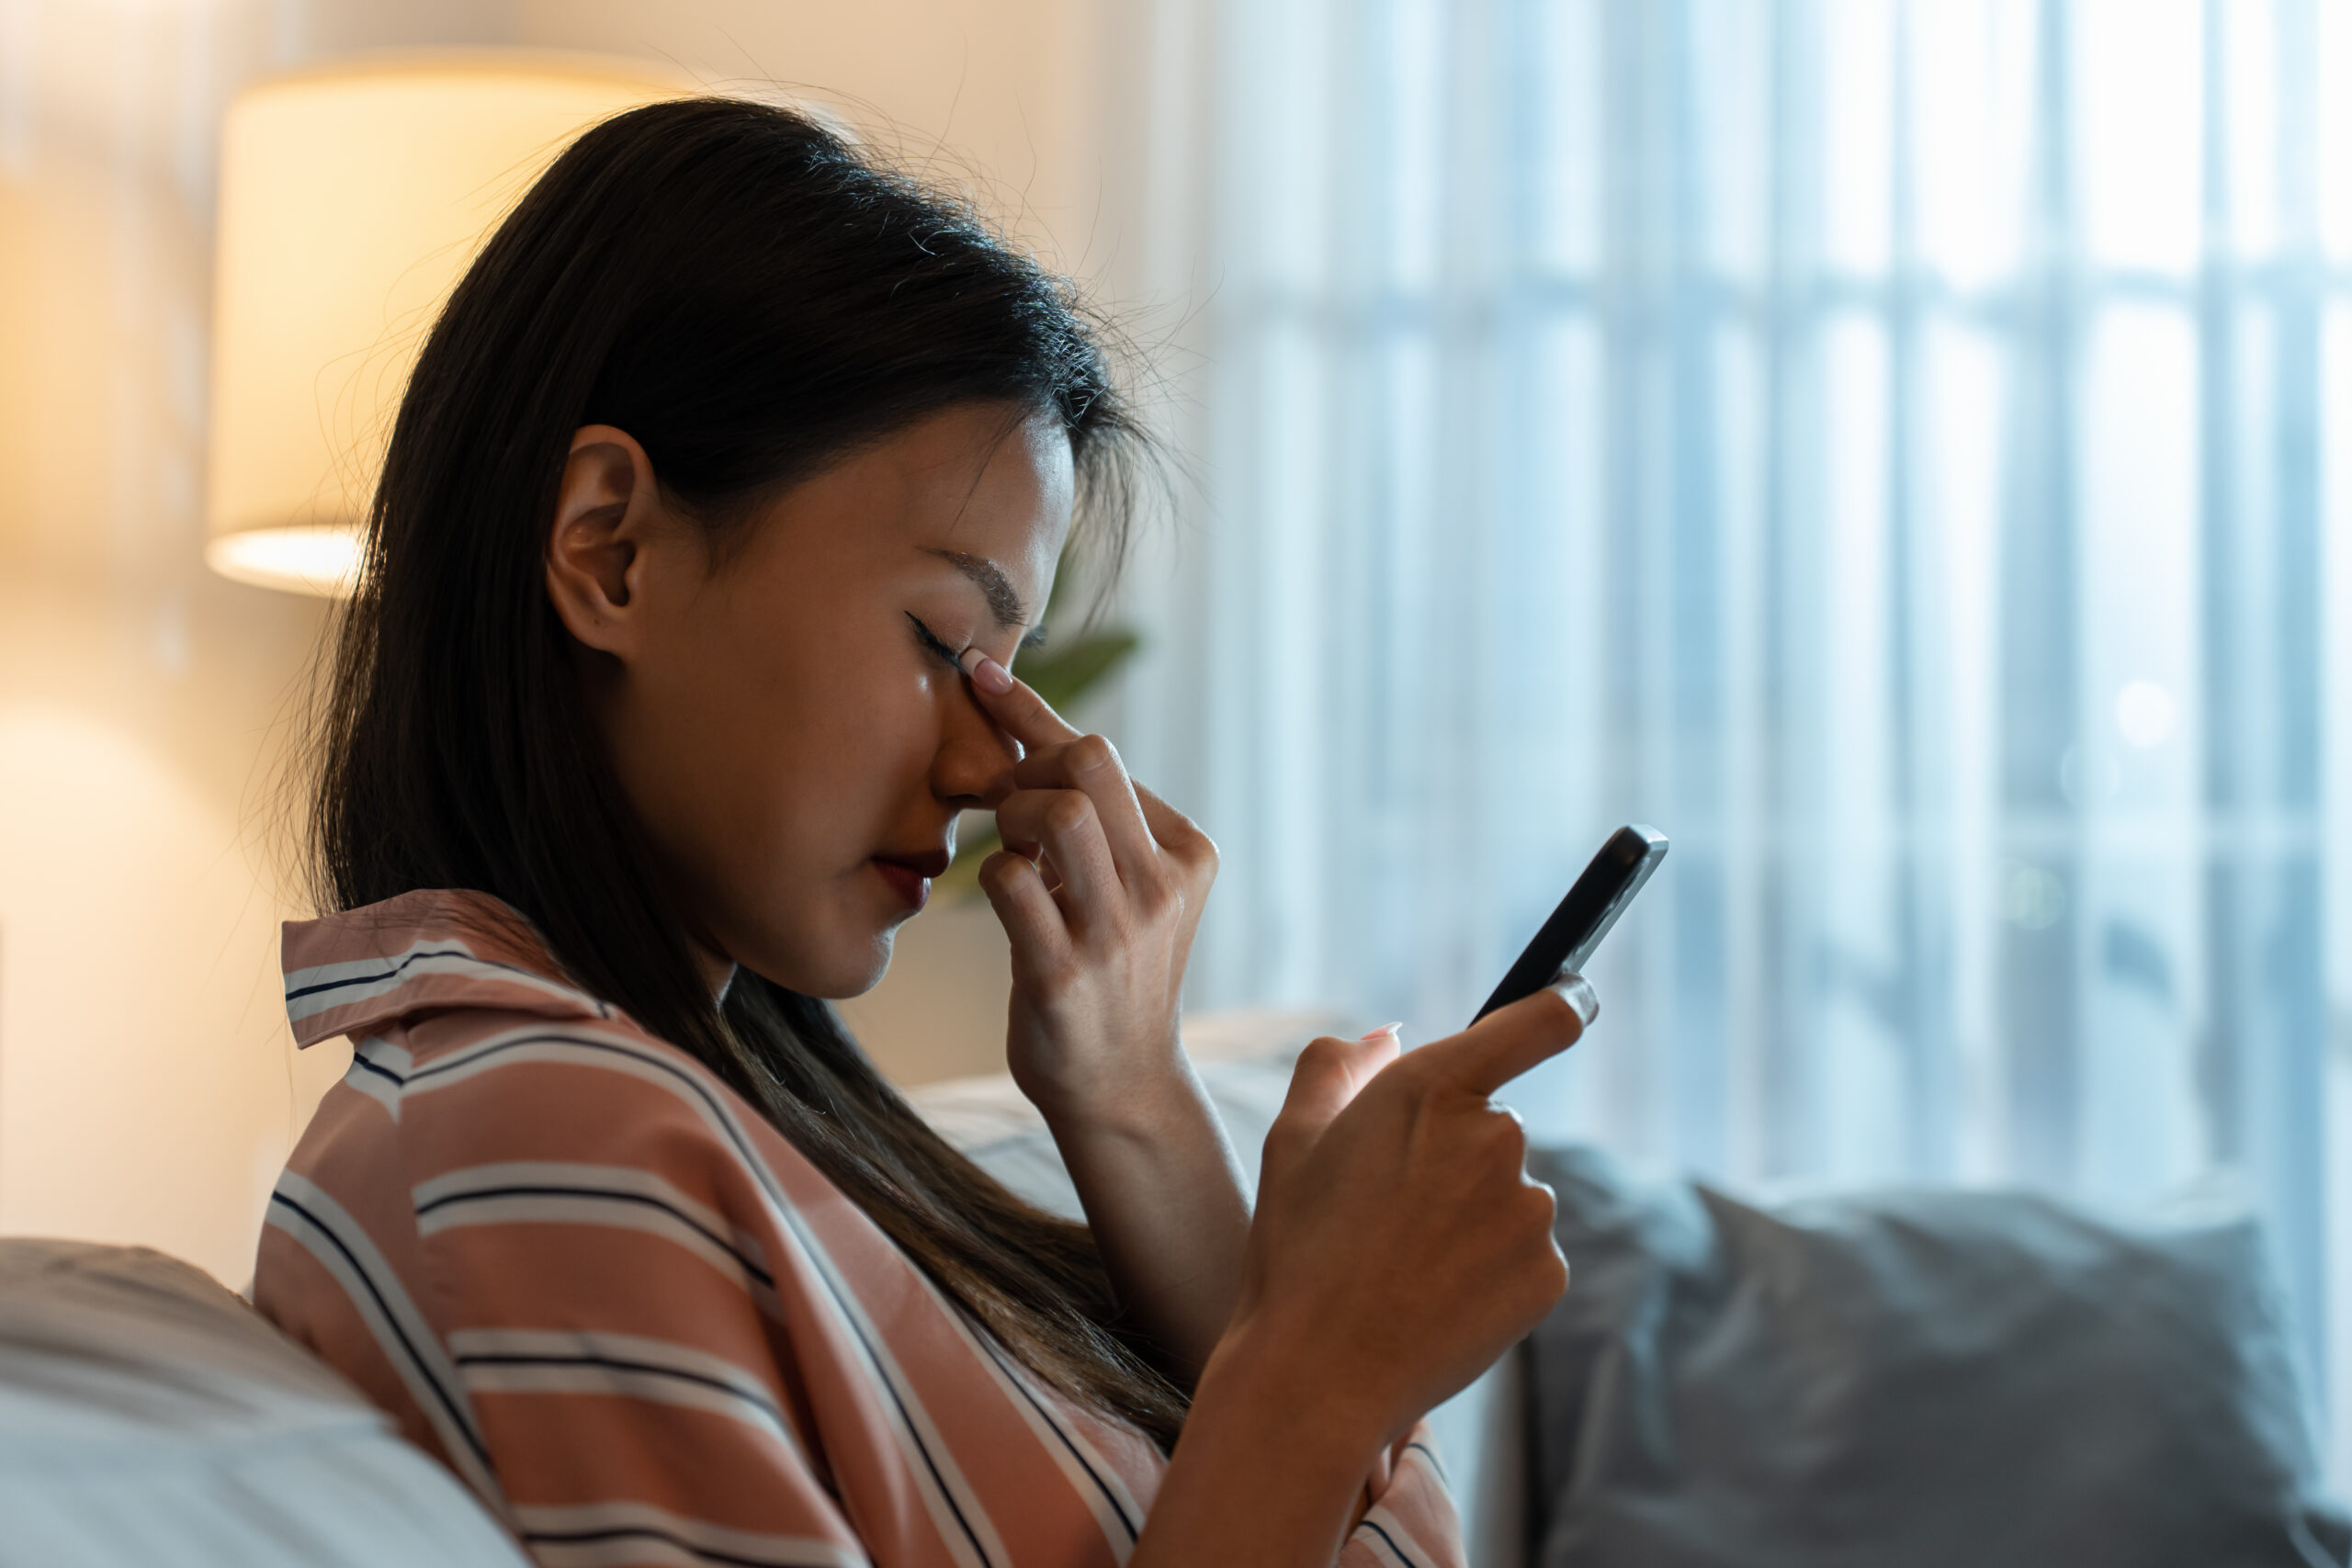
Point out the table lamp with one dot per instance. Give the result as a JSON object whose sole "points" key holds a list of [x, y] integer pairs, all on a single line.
{"points": [[353, 196]]}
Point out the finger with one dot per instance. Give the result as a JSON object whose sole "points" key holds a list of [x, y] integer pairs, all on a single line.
{"points": [[1019, 712], [1091, 764], [1509, 1040], [1032, 920], [1330, 1072], [1065, 824], [1176, 832], [1328, 1075]]}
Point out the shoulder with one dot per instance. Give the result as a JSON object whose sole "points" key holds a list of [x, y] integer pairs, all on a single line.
{"points": [[487, 1085], [480, 1064], [371, 969], [470, 1039], [473, 1086]]}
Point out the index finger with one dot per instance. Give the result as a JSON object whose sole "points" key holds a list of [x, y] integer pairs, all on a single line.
{"points": [[1019, 712], [1509, 1040]]}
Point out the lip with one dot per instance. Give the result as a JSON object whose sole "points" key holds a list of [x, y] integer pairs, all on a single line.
{"points": [[909, 876]]}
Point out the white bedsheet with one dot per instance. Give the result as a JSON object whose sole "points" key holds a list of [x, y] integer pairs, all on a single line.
{"points": [[148, 1417]]}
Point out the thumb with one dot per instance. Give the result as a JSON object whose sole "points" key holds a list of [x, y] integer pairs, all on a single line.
{"points": [[1330, 1073]]}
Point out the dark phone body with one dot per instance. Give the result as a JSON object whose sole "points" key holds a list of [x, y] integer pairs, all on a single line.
{"points": [[1567, 939]]}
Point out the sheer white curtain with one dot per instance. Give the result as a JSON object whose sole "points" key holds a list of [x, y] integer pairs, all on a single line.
{"points": [[1902, 449]]}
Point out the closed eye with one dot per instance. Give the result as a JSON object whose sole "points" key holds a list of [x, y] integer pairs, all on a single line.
{"points": [[931, 640]]}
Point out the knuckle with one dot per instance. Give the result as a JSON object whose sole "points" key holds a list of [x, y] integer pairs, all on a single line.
{"points": [[1511, 1136], [1093, 753], [1069, 812], [1156, 899], [1500, 1136], [1323, 1051], [1551, 1277], [1203, 848]]}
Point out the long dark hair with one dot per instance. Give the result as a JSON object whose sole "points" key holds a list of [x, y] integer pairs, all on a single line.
{"points": [[737, 287]]}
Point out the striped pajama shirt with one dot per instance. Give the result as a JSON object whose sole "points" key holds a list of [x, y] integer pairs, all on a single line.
{"points": [[591, 1279]]}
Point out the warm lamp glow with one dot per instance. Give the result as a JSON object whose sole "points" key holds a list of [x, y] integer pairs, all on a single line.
{"points": [[352, 197], [312, 559]]}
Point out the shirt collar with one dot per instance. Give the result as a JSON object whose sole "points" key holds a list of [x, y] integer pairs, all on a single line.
{"points": [[359, 971]]}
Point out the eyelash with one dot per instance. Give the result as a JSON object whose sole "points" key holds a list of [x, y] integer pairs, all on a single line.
{"points": [[931, 640]]}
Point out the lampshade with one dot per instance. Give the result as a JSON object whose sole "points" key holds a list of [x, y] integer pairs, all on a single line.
{"points": [[352, 198]]}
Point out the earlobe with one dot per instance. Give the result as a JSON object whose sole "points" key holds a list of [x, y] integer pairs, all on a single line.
{"points": [[594, 542]]}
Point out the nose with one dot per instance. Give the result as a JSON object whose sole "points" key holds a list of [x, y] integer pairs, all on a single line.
{"points": [[972, 770]]}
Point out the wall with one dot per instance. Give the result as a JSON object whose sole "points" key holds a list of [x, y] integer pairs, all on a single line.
{"points": [[996, 95], [993, 97], [146, 1093], [148, 1089]]}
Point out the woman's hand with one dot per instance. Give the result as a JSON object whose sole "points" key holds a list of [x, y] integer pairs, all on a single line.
{"points": [[1398, 1249], [1399, 1246], [1099, 887]]}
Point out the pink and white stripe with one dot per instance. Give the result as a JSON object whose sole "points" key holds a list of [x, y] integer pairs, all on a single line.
{"points": [[598, 1285]]}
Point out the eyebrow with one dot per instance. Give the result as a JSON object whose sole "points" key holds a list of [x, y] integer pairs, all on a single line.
{"points": [[1003, 602]]}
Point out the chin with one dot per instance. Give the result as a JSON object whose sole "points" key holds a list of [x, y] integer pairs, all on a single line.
{"points": [[832, 949], [851, 973]]}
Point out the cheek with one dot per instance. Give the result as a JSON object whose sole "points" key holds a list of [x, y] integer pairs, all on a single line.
{"points": [[831, 760]]}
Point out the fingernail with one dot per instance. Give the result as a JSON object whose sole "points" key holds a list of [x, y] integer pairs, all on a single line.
{"points": [[1577, 992], [985, 673], [1384, 1029]]}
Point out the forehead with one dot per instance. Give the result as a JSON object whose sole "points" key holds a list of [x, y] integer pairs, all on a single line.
{"points": [[979, 480], [983, 480]]}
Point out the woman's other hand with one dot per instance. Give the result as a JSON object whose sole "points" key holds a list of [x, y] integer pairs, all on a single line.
{"points": [[1399, 1246], [1398, 1249], [1099, 887]]}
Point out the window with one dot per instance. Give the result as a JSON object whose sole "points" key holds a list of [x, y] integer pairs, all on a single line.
{"points": [[1902, 449]]}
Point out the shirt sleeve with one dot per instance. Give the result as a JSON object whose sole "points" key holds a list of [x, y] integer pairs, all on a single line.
{"points": [[615, 1325], [1412, 1522]]}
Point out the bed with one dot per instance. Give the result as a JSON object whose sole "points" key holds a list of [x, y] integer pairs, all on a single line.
{"points": [[1906, 1378]]}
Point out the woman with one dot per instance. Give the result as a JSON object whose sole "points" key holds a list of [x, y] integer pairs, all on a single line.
{"points": [[725, 491]]}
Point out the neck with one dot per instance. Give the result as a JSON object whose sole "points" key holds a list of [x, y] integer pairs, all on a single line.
{"points": [[718, 970]]}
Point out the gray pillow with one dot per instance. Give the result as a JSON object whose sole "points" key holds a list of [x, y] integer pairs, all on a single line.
{"points": [[1913, 1379]]}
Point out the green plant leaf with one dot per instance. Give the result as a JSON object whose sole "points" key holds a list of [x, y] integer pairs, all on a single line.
{"points": [[1062, 675]]}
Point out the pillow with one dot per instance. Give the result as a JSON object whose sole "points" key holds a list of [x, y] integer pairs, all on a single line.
{"points": [[1242, 1054], [147, 1416], [1922, 1378]]}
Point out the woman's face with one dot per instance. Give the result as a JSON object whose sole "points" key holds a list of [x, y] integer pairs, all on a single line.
{"points": [[789, 721]]}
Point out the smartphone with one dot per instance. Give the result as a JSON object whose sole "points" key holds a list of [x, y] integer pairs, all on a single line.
{"points": [[1567, 939]]}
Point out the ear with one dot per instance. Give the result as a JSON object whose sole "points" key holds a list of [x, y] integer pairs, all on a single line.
{"points": [[606, 512]]}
